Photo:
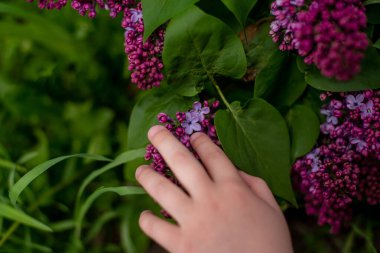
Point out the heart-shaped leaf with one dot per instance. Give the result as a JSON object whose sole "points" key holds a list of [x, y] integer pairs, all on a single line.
{"points": [[240, 9], [256, 139], [199, 46], [157, 12], [304, 129]]}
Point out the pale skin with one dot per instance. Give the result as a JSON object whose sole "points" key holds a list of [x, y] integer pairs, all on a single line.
{"points": [[224, 210]]}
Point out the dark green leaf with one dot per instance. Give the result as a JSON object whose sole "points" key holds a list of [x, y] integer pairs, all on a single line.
{"points": [[157, 12], [267, 78], [240, 9], [368, 78], [377, 44], [195, 52], [280, 82], [19, 216], [304, 129], [256, 139], [260, 48], [217, 9], [372, 12]]}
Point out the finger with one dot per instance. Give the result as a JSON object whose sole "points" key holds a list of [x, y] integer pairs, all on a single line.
{"points": [[168, 195], [216, 162], [188, 170], [163, 232], [261, 189]]}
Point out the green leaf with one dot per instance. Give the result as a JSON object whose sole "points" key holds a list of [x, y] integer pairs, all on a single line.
{"points": [[217, 9], [260, 47], [157, 12], [280, 82], [377, 44], [240, 9], [368, 2], [24, 181], [194, 52], [372, 12], [19, 216], [304, 129], [368, 78], [256, 139], [121, 190], [121, 159], [268, 77]]}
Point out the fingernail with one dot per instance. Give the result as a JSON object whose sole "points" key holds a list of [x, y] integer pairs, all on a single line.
{"points": [[195, 136], [153, 130], [138, 171]]}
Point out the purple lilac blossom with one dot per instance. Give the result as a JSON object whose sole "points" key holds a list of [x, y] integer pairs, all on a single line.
{"points": [[145, 58], [178, 127], [344, 168], [145, 61], [327, 33], [285, 12]]}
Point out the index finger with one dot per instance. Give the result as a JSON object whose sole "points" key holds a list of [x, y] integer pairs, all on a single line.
{"points": [[188, 170]]}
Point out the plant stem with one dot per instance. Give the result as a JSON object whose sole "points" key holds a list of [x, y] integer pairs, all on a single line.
{"points": [[220, 92], [10, 166], [8, 233]]}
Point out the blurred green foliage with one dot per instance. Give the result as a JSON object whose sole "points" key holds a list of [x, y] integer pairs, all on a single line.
{"points": [[64, 89]]}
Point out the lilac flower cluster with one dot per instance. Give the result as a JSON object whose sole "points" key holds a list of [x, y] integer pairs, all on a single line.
{"points": [[199, 119], [145, 58], [328, 33], [88, 7], [285, 12], [344, 168]]}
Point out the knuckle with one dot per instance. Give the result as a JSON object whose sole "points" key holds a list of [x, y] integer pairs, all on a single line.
{"points": [[260, 183], [235, 188]]}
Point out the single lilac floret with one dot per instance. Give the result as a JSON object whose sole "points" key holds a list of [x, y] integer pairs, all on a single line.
{"points": [[191, 124], [366, 109], [354, 102], [200, 111]]}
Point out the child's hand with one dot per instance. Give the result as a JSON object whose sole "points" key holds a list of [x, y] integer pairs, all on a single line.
{"points": [[225, 210]]}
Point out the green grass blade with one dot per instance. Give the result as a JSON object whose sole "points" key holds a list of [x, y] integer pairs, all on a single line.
{"points": [[24, 181], [120, 190], [19, 216], [121, 159]]}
